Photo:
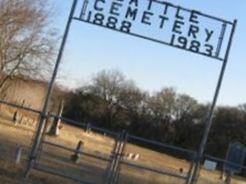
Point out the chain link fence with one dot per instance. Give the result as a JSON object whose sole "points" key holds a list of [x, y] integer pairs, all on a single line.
{"points": [[77, 152]]}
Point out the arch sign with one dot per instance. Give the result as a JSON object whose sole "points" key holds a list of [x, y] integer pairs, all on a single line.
{"points": [[157, 21], [161, 22]]}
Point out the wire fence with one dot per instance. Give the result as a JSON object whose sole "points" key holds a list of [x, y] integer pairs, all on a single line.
{"points": [[83, 153]]}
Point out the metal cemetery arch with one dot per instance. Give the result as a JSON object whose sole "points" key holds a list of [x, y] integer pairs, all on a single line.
{"points": [[131, 17]]}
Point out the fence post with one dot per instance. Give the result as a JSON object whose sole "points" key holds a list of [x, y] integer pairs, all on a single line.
{"points": [[191, 170], [210, 115], [116, 157], [110, 167], [46, 123], [222, 174], [88, 128], [228, 177], [121, 156], [111, 158], [38, 136]]}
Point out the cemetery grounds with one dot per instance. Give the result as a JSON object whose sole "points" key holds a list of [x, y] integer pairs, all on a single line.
{"points": [[20, 135]]}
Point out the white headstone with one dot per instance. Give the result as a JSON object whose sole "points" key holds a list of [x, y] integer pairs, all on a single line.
{"points": [[129, 156], [135, 157], [210, 165]]}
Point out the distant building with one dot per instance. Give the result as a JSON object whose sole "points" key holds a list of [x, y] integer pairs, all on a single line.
{"points": [[30, 93]]}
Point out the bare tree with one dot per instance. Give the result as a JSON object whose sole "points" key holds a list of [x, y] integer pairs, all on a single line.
{"points": [[107, 85], [185, 106], [116, 94], [162, 104], [27, 42]]}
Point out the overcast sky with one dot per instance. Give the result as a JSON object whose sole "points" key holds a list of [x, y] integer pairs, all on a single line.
{"points": [[152, 66]]}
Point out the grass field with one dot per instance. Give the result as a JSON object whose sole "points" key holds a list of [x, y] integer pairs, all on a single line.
{"points": [[88, 169]]}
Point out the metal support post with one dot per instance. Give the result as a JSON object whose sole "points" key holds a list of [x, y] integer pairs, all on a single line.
{"points": [[43, 116], [212, 108]]}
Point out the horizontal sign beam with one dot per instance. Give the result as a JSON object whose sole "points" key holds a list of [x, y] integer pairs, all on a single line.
{"points": [[161, 22]]}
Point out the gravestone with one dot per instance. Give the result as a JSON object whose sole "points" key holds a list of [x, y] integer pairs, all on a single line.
{"points": [[235, 156], [77, 153], [135, 157], [210, 165], [15, 116], [18, 155], [56, 125]]}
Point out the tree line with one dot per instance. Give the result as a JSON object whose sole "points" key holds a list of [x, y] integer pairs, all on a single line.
{"points": [[111, 101]]}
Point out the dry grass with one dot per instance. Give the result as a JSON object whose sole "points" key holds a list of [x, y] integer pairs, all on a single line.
{"points": [[89, 169]]}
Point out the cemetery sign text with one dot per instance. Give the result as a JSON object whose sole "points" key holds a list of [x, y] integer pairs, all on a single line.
{"points": [[161, 22]]}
